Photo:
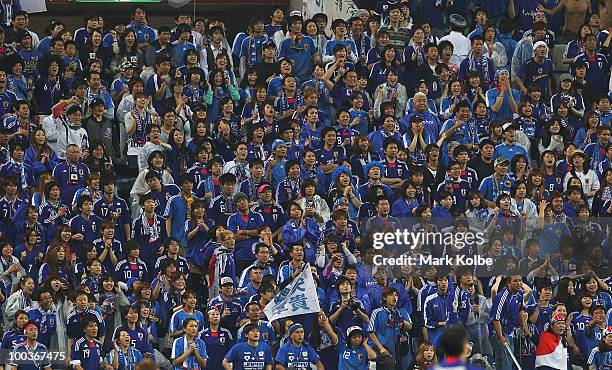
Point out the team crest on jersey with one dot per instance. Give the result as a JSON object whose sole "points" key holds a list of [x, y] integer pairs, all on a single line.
{"points": [[507, 183], [540, 70], [146, 37], [336, 154], [360, 357], [304, 354], [261, 353], [81, 172], [264, 336], [222, 340], [291, 358], [5, 104]]}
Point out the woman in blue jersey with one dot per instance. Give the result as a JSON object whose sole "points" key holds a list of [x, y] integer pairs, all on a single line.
{"points": [[189, 351], [598, 290], [124, 356]]}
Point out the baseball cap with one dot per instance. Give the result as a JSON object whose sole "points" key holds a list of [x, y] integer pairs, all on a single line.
{"points": [[565, 76], [350, 330], [501, 161], [96, 101], [263, 188], [226, 280]]}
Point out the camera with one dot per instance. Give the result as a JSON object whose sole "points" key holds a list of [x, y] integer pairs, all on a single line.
{"points": [[353, 305]]}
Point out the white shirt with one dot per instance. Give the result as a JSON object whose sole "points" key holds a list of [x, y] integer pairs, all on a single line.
{"points": [[461, 46]]}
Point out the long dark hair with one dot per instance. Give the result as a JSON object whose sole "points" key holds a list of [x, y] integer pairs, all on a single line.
{"points": [[40, 149], [123, 48]]}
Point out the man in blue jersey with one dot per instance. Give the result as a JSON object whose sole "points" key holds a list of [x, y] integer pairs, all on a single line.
{"points": [[71, 175], [45, 317], [439, 310], [145, 35], [499, 182], [222, 206], [598, 67], [177, 209], [536, 71], [253, 316], [112, 208], [86, 352], [455, 185], [295, 354], [85, 226], [31, 354], [244, 224], [505, 319], [385, 326], [298, 48], [250, 355], [132, 267], [509, 148], [541, 312], [228, 305]]}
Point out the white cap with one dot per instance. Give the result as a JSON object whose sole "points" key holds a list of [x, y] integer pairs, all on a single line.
{"points": [[351, 329], [295, 13], [226, 280]]}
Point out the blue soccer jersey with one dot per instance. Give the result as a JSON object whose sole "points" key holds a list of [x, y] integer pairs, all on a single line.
{"points": [[86, 353], [244, 356]]}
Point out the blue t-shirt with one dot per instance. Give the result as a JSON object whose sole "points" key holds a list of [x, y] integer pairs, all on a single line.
{"points": [[296, 357], [350, 358], [243, 356]]}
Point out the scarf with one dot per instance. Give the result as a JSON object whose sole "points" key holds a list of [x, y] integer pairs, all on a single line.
{"points": [[606, 194], [598, 155], [483, 62], [296, 37], [73, 174], [20, 167], [241, 171], [25, 300], [288, 102], [140, 138], [127, 360], [152, 230]]}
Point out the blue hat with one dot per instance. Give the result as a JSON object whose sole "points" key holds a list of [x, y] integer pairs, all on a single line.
{"points": [[338, 171], [367, 167], [295, 327], [276, 144]]}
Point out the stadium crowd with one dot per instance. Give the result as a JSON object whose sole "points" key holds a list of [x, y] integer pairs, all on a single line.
{"points": [[288, 149]]}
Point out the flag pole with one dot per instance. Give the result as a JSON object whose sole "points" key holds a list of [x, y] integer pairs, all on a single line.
{"points": [[513, 358]]}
